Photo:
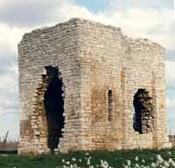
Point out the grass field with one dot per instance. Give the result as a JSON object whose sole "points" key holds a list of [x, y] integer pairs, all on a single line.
{"points": [[103, 159]]}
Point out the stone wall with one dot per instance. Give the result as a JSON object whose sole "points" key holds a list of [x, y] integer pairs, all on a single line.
{"points": [[101, 70]]}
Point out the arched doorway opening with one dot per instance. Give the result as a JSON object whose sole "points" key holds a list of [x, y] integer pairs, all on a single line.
{"points": [[54, 107]]}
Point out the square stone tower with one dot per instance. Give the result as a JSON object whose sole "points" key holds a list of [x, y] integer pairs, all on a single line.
{"points": [[86, 86]]}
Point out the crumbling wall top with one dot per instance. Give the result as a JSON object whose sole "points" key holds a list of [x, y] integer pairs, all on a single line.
{"points": [[77, 21]]}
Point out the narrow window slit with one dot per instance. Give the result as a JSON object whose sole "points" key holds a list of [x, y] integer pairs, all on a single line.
{"points": [[110, 105]]}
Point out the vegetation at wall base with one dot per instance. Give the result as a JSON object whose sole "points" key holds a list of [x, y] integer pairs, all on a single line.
{"points": [[103, 159]]}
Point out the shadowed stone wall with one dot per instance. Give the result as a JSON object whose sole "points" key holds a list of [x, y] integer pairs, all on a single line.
{"points": [[101, 70]]}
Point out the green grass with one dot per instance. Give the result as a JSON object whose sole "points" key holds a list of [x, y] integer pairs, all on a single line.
{"points": [[115, 159]]}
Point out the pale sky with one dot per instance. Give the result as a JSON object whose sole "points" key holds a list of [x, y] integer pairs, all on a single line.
{"points": [[153, 19]]}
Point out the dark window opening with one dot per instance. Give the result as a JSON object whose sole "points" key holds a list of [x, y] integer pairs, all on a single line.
{"points": [[110, 105], [54, 107], [144, 114]]}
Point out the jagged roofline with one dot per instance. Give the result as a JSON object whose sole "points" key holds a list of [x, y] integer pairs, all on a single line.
{"points": [[81, 20]]}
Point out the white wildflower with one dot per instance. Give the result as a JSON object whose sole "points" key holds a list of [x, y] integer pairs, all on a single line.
{"points": [[67, 162], [91, 166], [160, 159], [89, 161], [171, 162], [137, 165], [169, 153], [86, 153], [143, 161], [136, 158], [128, 162], [104, 164], [153, 164], [166, 164]]}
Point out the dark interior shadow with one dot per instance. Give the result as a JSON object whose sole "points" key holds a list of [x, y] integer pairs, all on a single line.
{"points": [[54, 107]]}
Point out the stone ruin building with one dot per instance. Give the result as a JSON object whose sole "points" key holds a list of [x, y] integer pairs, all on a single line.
{"points": [[86, 86]]}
